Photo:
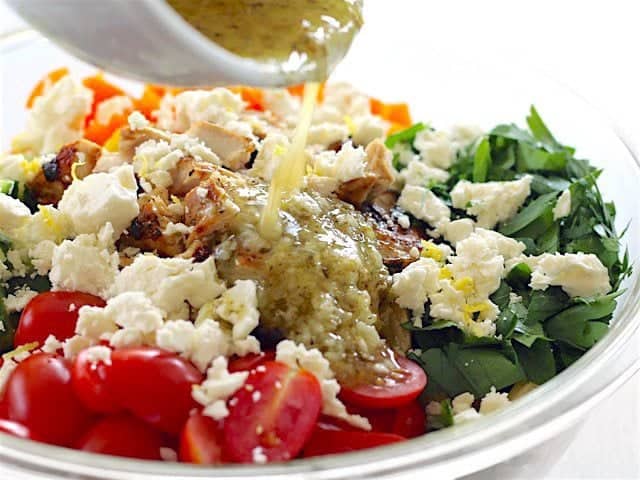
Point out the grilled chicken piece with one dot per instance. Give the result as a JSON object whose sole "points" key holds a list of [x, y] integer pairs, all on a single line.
{"points": [[57, 174], [146, 231], [130, 139], [208, 209], [377, 179], [188, 174], [234, 150], [394, 242]]}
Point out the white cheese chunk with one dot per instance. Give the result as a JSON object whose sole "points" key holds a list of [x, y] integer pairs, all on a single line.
{"points": [[217, 388], [13, 213], [51, 344], [349, 163], [297, 356], [563, 205], [100, 198], [367, 128], [219, 106], [458, 230], [56, 118], [239, 307], [435, 148], [16, 301], [491, 202], [423, 204], [137, 121], [173, 284], [272, 150], [415, 283], [111, 107], [327, 134], [87, 263], [578, 274], [418, 173], [493, 401], [17, 167]]}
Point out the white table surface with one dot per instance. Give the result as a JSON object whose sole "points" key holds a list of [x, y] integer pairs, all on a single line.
{"points": [[591, 46]]}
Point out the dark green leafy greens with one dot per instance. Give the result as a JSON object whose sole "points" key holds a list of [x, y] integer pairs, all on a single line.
{"points": [[538, 333]]}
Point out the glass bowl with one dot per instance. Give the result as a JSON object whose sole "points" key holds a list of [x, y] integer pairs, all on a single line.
{"points": [[448, 91]]}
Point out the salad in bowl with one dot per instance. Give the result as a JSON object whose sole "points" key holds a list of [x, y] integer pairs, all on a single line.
{"points": [[423, 278]]}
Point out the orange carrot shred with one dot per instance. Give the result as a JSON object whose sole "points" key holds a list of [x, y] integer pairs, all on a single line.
{"points": [[99, 133]]}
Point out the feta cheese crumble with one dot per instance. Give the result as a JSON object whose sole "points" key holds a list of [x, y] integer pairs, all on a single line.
{"points": [[56, 118], [217, 388], [13, 213], [88, 263], [172, 284], [578, 274], [491, 202], [423, 204], [563, 205], [102, 198]]}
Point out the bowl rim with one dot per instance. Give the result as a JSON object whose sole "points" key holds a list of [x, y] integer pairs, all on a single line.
{"points": [[522, 425]]}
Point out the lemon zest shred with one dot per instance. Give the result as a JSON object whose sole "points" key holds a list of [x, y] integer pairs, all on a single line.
{"points": [[445, 273], [465, 285], [30, 167], [431, 250], [49, 221], [27, 347], [74, 169], [350, 124]]}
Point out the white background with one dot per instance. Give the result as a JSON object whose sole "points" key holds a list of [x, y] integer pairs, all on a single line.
{"points": [[592, 47]]}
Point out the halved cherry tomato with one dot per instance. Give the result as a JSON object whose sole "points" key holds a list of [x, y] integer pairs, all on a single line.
{"points": [[89, 380], [123, 436], [39, 396], [275, 411], [328, 441], [52, 313], [16, 429], [201, 441], [397, 389], [4, 412], [154, 385], [250, 361], [410, 421]]}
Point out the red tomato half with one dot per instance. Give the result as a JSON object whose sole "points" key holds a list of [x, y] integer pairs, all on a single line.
{"points": [[327, 441], [16, 429], [52, 313], [39, 395], [275, 411], [410, 421], [155, 385], [251, 361], [123, 436], [201, 441], [89, 380], [397, 389]]}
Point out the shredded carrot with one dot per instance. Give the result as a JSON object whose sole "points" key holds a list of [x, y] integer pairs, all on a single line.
{"points": [[149, 101], [395, 113], [102, 90], [99, 133], [298, 91], [49, 79], [252, 95]]}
